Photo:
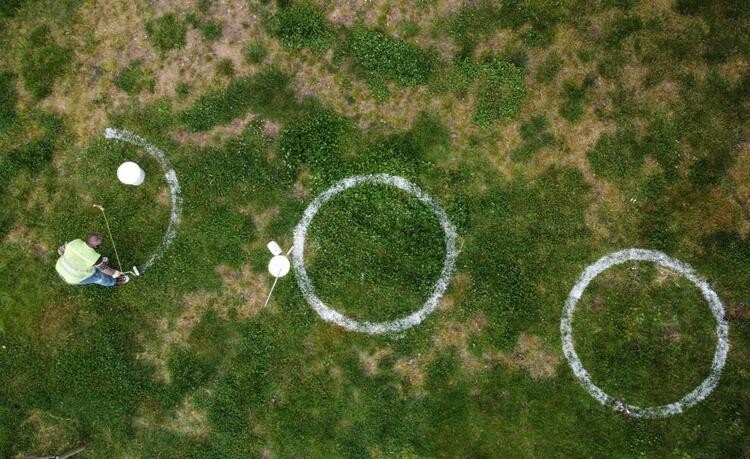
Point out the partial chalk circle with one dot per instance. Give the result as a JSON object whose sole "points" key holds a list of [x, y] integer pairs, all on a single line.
{"points": [[169, 176]]}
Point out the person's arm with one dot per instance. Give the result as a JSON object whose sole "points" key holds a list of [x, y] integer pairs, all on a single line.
{"points": [[101, 265]]}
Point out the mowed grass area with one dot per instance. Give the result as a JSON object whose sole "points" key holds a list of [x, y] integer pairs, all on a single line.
{"points": [[552, 133]]}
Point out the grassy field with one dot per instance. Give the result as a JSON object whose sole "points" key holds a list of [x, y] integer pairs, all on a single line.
{"points": [[552, 132]]}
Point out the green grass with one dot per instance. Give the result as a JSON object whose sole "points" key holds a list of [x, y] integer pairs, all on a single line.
{"points": [[383, 228], [255, 52], [266, 93], [387, 58], [211, 30], [501, 92], [184, 362], [301, 25], [134, 78], [8, 99], [166, 32], [44, 61], [632, 329]]}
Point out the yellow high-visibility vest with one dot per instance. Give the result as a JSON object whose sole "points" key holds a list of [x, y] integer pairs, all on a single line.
{"points": [[77, 263]]}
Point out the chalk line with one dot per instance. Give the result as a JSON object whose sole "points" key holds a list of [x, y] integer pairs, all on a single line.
{"points": [[330, 315], [171, 178], [717, 309]]}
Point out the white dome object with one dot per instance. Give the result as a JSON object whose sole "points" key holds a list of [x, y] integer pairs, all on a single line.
{"points": [[130, 173], [278, 266], [274, 248]]}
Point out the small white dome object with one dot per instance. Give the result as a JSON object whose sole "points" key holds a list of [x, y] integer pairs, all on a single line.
{"points": [[278, 266], [130, 173]]}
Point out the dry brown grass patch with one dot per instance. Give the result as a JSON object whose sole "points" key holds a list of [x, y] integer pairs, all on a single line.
{"points": [[47, 432], [531, 355], [189, 420], [371, 361], [460, 283], [412, 372], [246, 283]]}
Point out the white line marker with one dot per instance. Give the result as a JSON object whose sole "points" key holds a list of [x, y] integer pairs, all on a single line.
{"points": [[169, 175], [330, 315], [717, 309]]}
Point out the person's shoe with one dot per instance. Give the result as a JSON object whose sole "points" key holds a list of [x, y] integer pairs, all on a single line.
{"points": [[123, 279]]}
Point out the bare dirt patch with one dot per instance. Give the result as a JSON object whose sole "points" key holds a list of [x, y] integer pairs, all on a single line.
{"points": [[453, 336], [110, 35], [301, 188]]}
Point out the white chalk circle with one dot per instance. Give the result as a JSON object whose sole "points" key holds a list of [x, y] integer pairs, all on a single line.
{"points": [[171, 178], [717, 309], [130, 173], [330, 315]]}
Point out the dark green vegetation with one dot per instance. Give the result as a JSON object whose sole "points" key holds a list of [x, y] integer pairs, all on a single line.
{"points": [[134, 78], [255, 52], [8, 99], [501, 92], [266, 93], [166, 32], [572, 129], [535, 137], [43, 61], [384, 57], [301, 25]]}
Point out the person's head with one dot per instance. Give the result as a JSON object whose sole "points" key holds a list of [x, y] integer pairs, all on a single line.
{"points": [[94, 240]]}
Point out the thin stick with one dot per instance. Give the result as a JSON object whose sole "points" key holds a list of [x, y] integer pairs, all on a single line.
{"points": [[119, 265], [269, 293]]}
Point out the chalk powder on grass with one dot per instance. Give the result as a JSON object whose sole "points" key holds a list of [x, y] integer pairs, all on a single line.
{"points": [[330, 315], [171, 178], [717, 309]]}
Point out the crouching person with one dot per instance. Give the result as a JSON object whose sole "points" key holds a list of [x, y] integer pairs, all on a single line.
{"points": [[80, 264]]}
